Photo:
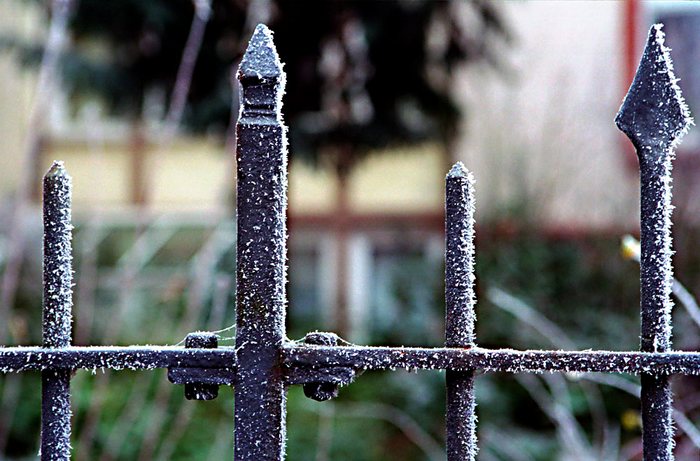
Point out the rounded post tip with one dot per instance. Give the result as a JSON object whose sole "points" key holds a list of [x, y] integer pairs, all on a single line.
{"points": [[57, 169], [458, 170]]}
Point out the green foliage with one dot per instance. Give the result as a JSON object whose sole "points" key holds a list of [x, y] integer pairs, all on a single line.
{"points": [[139, 48], [580, 284]]}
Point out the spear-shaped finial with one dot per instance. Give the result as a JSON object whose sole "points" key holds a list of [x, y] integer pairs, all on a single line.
{"points": [[654, 113], [655, 117]]}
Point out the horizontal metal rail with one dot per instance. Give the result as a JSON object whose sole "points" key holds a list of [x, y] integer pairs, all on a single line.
{"points": [[19, 359], [308, 357], [491, 360]]}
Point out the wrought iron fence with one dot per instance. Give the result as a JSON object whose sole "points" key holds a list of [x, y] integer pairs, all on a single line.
{"points": [[264, 362]]}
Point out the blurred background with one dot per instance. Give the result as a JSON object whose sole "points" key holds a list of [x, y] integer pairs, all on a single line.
{"points": [[139, 99]]}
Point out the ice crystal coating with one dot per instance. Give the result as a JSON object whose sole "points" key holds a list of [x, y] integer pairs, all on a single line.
{"points": [[58, 293], [261, 253], [491, 360], [459, 311], [261, 59], [55, 415], [262, 78], [58, 272], [654, 113], [654, 116], [21, 359], [459, 256], [295, 356], [459, 170]]}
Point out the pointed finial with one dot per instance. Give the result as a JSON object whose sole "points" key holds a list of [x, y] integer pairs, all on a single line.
{"points": [[57, 169], [458, 170], [654, 113], [262, 78], [260, 60]]}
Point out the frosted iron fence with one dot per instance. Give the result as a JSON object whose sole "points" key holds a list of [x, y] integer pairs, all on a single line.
{"points": [[264, 362]]}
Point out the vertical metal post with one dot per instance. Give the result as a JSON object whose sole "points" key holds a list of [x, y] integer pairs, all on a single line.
{"points": [[261, 249], [459, 311], [654, 117], [58, 293]]}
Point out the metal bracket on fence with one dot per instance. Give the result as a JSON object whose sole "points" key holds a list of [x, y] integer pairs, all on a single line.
{"points": [[201, 383], [323, 383]]}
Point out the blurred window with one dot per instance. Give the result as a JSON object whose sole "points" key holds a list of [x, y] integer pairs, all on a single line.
{"points": [[407, 291], [392, 277], [304, 290]]}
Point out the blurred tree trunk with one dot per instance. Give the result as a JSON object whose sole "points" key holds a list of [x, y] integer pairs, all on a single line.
{"points": [[344, 162], [139, 190]]}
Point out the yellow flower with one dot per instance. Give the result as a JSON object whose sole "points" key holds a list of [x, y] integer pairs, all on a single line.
{"points": [[630, 420], [630, 248]]}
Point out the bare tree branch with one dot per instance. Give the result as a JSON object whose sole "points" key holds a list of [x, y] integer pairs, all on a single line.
{"points": [[45, 89]]}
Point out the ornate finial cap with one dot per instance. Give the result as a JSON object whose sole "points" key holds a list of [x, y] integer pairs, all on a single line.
{"points": [[260, 61]]}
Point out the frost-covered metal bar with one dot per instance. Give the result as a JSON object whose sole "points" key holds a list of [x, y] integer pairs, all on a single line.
{"points": [[490, 360], [21, 359], [654, 117], [57, 317], [304, 363], [459, 311], [261, 249], [200, 377]]}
